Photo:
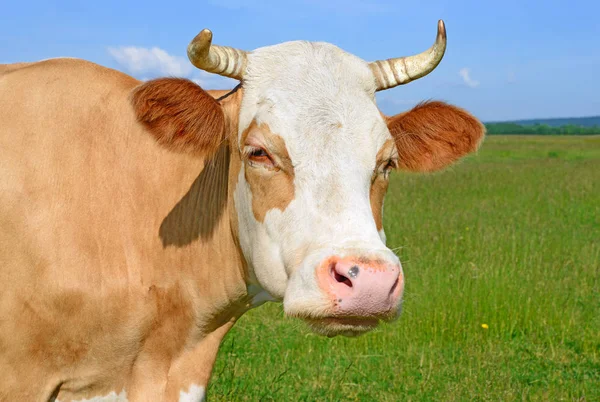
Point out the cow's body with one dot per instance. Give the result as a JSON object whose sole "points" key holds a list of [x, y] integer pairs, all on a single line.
{"points": [[138, 221], [117, 255]]}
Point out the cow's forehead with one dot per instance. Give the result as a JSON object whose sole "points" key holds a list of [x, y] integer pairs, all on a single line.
{"points": [[315, 95], [293, 65]]}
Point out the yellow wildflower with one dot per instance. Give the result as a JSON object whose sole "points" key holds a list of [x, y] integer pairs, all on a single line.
{"points": [[485, 326]]}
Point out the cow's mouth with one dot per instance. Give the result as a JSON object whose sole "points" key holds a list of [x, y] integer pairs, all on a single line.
{"points": [[347, 326]]}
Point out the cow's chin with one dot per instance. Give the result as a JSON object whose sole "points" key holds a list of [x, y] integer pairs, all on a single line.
{"points": [[329, 323], [346, 326], [323, 321]]}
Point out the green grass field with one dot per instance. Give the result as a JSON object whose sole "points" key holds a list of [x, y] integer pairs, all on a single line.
{"points": [[509, 238]]}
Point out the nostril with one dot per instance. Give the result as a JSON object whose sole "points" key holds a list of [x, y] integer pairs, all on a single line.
{"points": [[340, 278]]}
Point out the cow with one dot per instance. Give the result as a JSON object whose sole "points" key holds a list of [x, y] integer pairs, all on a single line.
{"points": [[140, 220]]}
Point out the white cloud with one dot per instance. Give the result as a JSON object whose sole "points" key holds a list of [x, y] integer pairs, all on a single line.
{"points": [[146, 63], [465, 73], [140, 60]]}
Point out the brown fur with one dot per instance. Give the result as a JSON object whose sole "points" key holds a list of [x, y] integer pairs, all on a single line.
{"points": [[433, 135], [273, 188], [111, 294], [379, 184], [180, 115]]}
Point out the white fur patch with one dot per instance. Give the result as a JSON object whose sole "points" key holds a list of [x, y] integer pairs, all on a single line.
{"points": [[382, 235], [112, 397], [321, 101], [195, 394]]}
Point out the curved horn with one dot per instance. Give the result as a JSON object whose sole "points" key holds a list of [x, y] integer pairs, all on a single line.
{"points": [[391, 72], [220, 60]]}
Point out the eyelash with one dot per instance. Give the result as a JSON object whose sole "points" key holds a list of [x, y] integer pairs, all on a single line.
{"points": [[257, 155], [258, 152]]}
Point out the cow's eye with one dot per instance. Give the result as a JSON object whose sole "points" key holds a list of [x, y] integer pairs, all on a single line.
{"points": [[258, 153], [260, 156]]}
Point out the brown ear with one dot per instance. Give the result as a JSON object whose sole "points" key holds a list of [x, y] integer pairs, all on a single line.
{"points": [[180, 115], [433, 135]]}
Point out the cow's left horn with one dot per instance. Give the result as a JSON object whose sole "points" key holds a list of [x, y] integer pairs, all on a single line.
{"points": [[391, 72], [220, 60]]}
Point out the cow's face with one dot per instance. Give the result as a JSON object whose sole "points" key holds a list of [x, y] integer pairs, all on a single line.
{"points": [[316, 155]]}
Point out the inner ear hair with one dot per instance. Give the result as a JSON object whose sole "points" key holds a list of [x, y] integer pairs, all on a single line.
{"points": [[433, 135], [180, 115]]}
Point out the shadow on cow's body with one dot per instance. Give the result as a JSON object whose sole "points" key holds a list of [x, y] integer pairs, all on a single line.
{"points": [[198, 212]]}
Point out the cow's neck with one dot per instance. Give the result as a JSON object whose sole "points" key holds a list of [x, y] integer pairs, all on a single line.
{"points": [[199, 241], [219, 274], [198, 235]]}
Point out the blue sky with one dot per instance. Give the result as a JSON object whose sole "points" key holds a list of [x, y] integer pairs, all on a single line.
{"points": [[508, 59]]}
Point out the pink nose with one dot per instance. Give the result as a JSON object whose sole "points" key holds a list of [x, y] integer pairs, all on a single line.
{"points": [[362, 287]]}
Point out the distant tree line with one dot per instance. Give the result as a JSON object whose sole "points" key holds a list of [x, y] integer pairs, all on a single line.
{"points": [[540, 129]]}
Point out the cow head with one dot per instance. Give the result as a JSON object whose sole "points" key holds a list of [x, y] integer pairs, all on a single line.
{"points": [[314, 157]]}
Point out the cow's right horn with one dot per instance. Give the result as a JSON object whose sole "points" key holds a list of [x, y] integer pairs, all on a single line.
{"points": [[221, 60]]}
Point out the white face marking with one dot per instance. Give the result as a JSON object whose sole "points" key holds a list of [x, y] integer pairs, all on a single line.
{"points": [[321, 101], [112, 397], [194, 394]]}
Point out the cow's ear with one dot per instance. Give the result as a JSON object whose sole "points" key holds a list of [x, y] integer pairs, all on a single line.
{"points": [[180, 115], [433, 135]]}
